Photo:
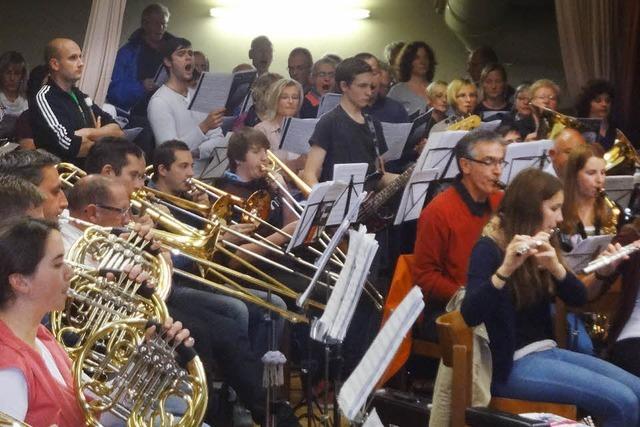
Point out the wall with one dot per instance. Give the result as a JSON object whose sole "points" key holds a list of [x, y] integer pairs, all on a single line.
{"points": [[27, 25], [527, 44]]}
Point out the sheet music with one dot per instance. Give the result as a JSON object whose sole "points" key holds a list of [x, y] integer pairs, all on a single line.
{"points": [[524, 155], [331, 246], [360, 383], [337, 315], [217, 90], [316, 211], [240, 88], [414, 194], [586, 250], [219, 160], [296, 134], [131, 134], [486, 115], [328, 102], [396, 136], [162, 75], [439, 150], [373, 420], [619, 189], [346, 172], [492, 126]]}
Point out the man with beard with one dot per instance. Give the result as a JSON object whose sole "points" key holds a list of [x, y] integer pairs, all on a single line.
{"points": [[168, 110]]}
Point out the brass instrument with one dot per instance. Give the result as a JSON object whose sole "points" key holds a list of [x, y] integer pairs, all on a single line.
{"points": [[611, 227], [69, 174], [622, 158], [277, 166], [133, 377], [8, 421]]}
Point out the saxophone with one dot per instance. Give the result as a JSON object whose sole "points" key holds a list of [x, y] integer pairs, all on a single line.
{"points": [[611, 225]]}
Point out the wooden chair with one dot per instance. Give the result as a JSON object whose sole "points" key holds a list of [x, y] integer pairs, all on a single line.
{"points": [[456, 347]]}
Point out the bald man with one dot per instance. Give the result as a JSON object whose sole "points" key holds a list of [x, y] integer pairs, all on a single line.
{"points": [[564, 142], [65, 121]]}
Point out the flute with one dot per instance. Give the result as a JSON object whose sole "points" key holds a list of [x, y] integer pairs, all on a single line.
{"points": [[526, 247], [608, 259]]}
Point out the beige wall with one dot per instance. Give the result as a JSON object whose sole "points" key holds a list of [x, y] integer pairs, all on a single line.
{"points": [[527, 44]]}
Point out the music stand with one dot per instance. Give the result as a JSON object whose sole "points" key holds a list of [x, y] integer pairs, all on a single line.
{"points": [[525, 155], [414, 195]]}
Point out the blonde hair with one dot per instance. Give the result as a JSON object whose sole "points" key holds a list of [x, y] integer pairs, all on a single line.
{"points": [[539, 84], [454, 87], [434, 86], [273, 96]]}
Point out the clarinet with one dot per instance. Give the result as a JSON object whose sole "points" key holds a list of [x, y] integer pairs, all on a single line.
{"points": [[608, 259]]}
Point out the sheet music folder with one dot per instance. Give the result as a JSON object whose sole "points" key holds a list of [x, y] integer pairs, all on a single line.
{"points": [[219, 90], [295, 134], [359, 385], [586, 250]]}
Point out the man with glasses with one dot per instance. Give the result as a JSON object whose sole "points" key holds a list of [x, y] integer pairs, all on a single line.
{"points": [[299, 65], [323, 80], [450, 225]]}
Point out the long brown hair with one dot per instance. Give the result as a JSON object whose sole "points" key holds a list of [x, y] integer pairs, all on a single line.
{"points": [[520, 212], [576, 162]]}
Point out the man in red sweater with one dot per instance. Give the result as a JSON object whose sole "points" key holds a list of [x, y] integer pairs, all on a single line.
{"points": [[450, 225]]}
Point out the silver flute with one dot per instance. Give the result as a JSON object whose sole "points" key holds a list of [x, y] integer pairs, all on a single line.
{"points": [[608, 259], [526, 247]]}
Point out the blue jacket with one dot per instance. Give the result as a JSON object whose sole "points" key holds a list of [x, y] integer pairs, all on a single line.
{"points": [[125, 88]]}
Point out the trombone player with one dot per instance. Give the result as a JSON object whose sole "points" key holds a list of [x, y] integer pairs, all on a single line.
{"points": [[220, 338]]}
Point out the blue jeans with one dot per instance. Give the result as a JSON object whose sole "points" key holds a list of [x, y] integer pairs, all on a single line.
{"points": [[600, 388]]}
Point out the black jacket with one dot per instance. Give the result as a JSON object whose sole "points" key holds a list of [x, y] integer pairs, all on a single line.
{"points": [[56, 116]]}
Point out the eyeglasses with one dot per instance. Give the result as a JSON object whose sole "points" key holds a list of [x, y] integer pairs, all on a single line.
{"points": [[121, 211], [322, 74], [490, 162], [547, 97]]}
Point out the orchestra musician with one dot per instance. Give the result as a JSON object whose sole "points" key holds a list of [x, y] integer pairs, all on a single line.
{"points": [[595, 101], [514, 272], [462, 96], [36, 384], [450, 224]]}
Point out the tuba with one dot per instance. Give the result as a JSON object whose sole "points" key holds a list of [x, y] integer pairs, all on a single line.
{"points": [[622, 158]]}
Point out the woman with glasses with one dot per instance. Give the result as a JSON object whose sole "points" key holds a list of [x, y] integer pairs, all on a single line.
{"points": [[416, 67], [283, 100], [515, 271], [544, 94]]}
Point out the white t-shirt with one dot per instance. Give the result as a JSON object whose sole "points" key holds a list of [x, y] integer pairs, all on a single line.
{"points": [[14, 393]]}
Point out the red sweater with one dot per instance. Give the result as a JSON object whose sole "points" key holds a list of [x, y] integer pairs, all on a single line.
{"points": [[447, 232], [49, 401]]}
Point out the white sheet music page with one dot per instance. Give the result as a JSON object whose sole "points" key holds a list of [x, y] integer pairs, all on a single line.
{"points": [[162, 75], [328, 102], [296, 134], [619, 188], [373, 420], [586, 250], [211, 92], [414, 194], [219, 160], [492, 125], [360, 383], [438, 151], [335, 320], [395, 135], [522, 155], [348, 173]]}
